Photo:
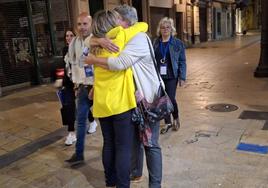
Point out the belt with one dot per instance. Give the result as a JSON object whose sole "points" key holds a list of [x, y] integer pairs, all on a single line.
{"points": [[76, 86]]}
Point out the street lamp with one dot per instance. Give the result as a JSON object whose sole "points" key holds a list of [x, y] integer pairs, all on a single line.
{"points": [[262, 69]]}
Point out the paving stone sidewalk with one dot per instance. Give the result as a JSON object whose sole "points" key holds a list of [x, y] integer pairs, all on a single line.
{"points": [[202, 154]]}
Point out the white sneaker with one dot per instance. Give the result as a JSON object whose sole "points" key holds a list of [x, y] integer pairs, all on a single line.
{"points": [[92, 127], [70, 139]]}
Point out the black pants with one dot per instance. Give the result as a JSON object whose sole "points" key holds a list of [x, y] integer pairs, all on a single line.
{"points": [[68, 110], [171, 86]]}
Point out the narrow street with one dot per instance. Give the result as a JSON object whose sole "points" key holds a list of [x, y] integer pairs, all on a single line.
{"points": [[202, 154]]}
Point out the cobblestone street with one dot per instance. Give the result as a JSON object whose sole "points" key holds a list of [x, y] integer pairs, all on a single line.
{"points": [[202, 154]]}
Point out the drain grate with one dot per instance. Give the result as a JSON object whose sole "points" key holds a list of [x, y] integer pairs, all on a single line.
{"points": [[221, 107]]}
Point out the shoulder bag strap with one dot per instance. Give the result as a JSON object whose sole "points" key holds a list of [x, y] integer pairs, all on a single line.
{"points": [[155, 63], [153, 58]]}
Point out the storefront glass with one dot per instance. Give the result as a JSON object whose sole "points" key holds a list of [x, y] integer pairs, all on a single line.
{"points": [[16, 57], [15, 51], [61, 17], [41, 26]]}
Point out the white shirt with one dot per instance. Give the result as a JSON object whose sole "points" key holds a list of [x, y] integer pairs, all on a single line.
{"points": [[73, 56]]}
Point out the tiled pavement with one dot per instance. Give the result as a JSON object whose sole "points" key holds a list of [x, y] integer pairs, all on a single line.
{"points": [[26, 116], [201, 154]]}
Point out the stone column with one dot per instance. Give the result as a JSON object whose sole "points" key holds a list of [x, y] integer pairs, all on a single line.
{"points": [[262, 69]]}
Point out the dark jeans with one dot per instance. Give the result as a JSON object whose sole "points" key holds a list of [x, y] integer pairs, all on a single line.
{"points": [[83, 109], [153, 157], [171, 86], [117, 131]]}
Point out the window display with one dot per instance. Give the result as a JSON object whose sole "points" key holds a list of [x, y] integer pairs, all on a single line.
{"points": [[21, 48]]}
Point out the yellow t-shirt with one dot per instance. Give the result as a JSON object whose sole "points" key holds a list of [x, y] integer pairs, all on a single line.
{"points": [[114, 90]]}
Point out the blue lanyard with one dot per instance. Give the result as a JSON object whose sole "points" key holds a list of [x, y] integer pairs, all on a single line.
{"points": [[164, 49]]}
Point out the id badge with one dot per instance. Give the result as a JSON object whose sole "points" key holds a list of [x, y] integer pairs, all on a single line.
{"points": [[88, 71], [163, 69]]}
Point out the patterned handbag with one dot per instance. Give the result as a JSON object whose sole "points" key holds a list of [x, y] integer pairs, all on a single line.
{"points": [[160, 108]]}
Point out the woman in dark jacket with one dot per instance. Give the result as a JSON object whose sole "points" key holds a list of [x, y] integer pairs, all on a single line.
{"points": [[68, 106], [171, 62]]}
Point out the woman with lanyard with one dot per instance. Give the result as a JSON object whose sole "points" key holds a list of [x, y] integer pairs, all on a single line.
{"points": [[171, 62]]}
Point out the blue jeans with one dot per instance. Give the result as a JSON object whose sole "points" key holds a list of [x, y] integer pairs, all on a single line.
{"points": [[117, 131], [83, 110], [153, 157]]}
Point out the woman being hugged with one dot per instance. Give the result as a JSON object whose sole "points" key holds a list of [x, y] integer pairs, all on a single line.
{"points": [[171, 62], [114, 99]]}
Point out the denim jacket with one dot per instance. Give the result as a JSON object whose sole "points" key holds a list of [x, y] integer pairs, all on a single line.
{"points": [[177, 56]]}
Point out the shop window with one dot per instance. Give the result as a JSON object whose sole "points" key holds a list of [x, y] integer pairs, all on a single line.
{"points": [[61, 21], [40, 21], [16, 63]]}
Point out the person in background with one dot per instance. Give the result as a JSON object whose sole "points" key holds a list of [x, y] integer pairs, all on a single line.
{"points": [[68, 88], [171, 60], [69, 108], [114, 99], [136, 55], [83, 83]]}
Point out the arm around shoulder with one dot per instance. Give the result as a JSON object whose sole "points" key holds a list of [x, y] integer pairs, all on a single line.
{"points": [[134, 50]]}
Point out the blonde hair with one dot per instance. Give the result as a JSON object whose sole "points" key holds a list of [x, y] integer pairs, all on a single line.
{"points": [[167, 21], [103, 22]]}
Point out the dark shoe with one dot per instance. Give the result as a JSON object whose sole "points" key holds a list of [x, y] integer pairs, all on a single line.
{"points": [[136, 179], [165, 130], [176, 125], [75, 160]]}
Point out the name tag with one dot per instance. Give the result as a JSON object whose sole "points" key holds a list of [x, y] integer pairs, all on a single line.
{"points": [[88, 71], [163, 69]]}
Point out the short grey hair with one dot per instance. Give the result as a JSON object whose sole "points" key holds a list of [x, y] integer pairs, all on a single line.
{"points": [[128, 13]]}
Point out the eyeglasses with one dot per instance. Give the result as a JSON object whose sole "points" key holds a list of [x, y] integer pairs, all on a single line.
{"points": [[165, 27]]}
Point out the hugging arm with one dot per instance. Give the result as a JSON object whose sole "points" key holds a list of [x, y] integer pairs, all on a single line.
{"points": [[104, 43], [126, 58], [99, 61]]}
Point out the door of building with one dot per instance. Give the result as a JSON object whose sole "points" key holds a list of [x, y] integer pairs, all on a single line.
{"points": [[203, 24], [179, 25], [95, 6], [138, 5]]}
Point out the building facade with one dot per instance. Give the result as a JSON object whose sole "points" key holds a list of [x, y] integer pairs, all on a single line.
{"points": [[248, 16], [33, 34]]}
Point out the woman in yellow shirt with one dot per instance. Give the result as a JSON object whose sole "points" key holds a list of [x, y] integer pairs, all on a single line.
{"points": [[114, 99]]}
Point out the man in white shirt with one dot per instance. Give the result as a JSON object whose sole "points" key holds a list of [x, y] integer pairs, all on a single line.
{"points": [[82, 77]]}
